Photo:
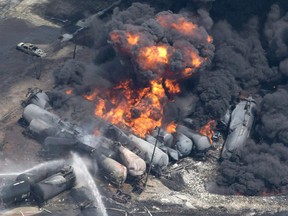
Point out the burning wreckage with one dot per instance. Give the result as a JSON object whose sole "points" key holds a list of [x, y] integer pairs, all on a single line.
{"points": [[174, 53], [117, 153], [115, 145]]}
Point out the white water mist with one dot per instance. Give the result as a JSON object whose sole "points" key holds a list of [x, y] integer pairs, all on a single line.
{"points": [[84, 176], [10, 174]]}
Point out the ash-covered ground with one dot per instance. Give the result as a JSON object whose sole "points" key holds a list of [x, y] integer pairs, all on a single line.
{"points": [[250, 56]]}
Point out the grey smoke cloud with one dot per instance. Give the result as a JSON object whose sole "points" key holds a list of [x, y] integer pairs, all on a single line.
{"points": [[239, 63], [263, 166], [276, 32], [274, 116], [262, 169]]}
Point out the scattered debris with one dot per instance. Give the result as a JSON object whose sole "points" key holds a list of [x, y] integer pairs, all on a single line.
{"points": [[121, 197]]}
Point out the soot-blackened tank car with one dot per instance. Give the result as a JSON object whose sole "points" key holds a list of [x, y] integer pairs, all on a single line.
{"points": [[240, 125]]}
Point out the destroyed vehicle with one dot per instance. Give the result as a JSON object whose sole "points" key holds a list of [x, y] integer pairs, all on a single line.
{"points": [[30, 49]]}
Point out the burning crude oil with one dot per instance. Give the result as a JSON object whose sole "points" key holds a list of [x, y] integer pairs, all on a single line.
{"points": [[164, 50]]}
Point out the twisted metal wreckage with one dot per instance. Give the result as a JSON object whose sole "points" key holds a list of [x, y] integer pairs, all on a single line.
{"points": [[116, 153]]}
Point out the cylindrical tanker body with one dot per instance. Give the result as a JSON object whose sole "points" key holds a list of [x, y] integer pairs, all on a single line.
{"points": [[41, 171], [136, 166], [170, 151], [90, 143], [38, 97], [15, 192], [152, 140], [183, 144], [41, 129], [201, 142], [54, 185], [59, 145], [160, 159], [116, 134], [163, 136], [34, 112], [113, 170], [240, 125], [41, 100]]}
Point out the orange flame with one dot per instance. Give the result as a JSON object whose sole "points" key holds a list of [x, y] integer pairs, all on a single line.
{"points": [[193, 61], [207, 130], [158, 57], [100, 107], [196, 60], [151, 57], [92, 96], [115, 37], [132, 39], [138, 109], [69, 91], [141, 109], [181, 24], [173, 88], [171, 128], [209, 39], [184, 26], [124, 41]]}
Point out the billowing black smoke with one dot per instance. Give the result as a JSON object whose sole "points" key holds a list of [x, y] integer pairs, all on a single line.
{"points": [[262, 168], [239, 64], [251, 56], [116, 60], [150, 30]]}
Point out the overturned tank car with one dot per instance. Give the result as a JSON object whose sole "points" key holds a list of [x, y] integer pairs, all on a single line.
{"points": [[38, 97], [40, 183], [240, 124]]}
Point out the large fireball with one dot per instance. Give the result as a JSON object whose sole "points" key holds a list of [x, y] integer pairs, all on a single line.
{"points": [[170, 55]]}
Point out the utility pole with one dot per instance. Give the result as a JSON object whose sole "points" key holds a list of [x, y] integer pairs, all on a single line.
{"points": [[150, 165], [74, 52]]}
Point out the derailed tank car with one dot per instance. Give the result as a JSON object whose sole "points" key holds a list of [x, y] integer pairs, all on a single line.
{"points": [[201, 143], [37, 97], [240, 125], [41, 171], [40, 183], [54, 185], [113, 170], [159, 160], [14, 193]]}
